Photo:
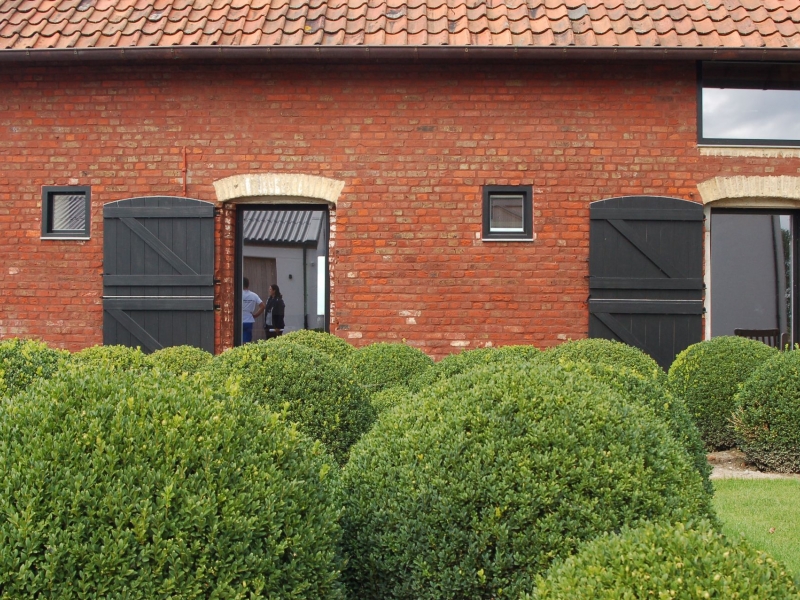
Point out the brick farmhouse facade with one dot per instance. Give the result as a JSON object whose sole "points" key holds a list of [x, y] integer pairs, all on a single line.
{"points": [[413, 143]]}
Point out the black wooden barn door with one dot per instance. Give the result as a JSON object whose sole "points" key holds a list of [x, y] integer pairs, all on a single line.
{"points": [[646, 273], [158, 282]]}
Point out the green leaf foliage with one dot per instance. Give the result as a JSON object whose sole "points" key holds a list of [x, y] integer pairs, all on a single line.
{"points": [[22, 362], [667, 562], [767, 417], [633, 387], [605, 352], [707, 376], [115, 358], [331, 345], [452, 365], [179, 359], [114, 485], [320, 396], [480, 482], [379, 366], [389, 398], [455, 364]]}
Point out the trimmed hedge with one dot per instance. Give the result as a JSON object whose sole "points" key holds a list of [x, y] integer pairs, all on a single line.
{"points": [[380, 366], [321, 397], [483, 480], [452, 365], [605, 352], [767, 418], [121, 486], [116, 358], [179, 359], [633, 387], [389, 398], [707, 375], [317, 340], [455, 364], [24, 361], [663, 561]]}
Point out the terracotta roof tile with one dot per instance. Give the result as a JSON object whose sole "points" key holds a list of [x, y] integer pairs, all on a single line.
{"points": [[585, 23]]}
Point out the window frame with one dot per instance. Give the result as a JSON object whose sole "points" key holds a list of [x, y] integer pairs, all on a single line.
{"points": [[526, 191], [48, 192], [729, 142]]}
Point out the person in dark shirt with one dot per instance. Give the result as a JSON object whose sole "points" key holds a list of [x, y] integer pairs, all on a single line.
{"points": [[273, 322]]}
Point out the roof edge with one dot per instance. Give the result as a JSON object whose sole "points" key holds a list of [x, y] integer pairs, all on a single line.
{"points": [[387, 53]]}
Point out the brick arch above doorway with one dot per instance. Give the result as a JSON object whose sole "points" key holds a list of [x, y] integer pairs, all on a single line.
{"points": [[278, 188], [751, 192]]}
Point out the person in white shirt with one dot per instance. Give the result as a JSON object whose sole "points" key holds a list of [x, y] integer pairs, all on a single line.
{"points": [[252, 306]]}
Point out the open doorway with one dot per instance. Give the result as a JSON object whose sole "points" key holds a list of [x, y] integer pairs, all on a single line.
{"points": [[754, 271], [284, 246]]}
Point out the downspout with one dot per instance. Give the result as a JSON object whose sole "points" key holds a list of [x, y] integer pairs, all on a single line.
{"points": [[305, 291]]}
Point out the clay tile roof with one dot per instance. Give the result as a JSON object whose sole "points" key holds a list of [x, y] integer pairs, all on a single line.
{"points": [[724, 24]]}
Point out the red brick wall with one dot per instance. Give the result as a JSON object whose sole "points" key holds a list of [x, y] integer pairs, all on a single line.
{"points": [[414, 145]]}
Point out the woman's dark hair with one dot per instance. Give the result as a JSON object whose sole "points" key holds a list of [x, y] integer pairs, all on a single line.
{"points": [[245, 283], [275, 287]]}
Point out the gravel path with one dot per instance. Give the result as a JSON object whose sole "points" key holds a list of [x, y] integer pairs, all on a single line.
{"points": [[731, 464]]}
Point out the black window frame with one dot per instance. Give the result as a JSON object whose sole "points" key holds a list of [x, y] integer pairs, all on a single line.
{"points": [[527, 213], [48, 191], [741, 83]]}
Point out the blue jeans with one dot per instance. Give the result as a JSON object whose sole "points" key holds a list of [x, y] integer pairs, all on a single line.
{"points": [[247, 332]]}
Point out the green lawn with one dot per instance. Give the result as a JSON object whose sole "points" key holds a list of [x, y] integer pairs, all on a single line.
{"points": [[751, 507]]}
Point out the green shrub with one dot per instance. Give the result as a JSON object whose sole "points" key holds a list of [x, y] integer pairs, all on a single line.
{"points": [[379, 366], [24, 361], [708, 375], [605, 352], [667, 561], [115, 358], [317, 340], [633, 387], [389, 397], [322, 398], [452, 365], [767, 418], [116, 485], [483, 480], [179, 359], [520, 352]]}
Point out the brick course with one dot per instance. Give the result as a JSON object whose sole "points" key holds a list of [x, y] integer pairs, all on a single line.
{"points": [[414, 143]]}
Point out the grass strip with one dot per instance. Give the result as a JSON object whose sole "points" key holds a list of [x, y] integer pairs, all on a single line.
{"points": [[766, 512]]}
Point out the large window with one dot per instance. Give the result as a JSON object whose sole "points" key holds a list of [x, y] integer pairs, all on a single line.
{"points": [[749, 104], [753, 271]]}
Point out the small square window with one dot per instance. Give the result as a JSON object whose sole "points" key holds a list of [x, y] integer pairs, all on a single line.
{"points": [[65, 212], [508, 213]]}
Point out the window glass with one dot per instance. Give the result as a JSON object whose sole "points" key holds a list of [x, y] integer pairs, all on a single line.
{"points": [[750, 103], [507, 213], [751, 272], [69, 212]]}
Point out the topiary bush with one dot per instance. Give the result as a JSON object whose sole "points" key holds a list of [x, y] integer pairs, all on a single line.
{"points": [[667, 561], [483, 480], [605, 352], [707, 375], [24, 361], [116, 358], [179, 359], [452, 365], [633, 387], [379, 366], [519, 352], [389, 398], [767, 418], [323, 398], [121, 486], [318, 340]]}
